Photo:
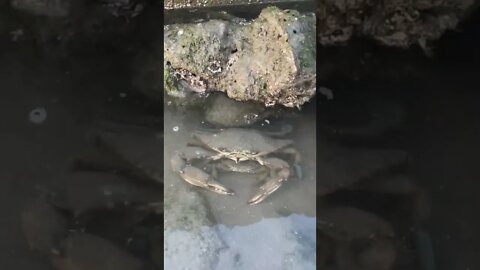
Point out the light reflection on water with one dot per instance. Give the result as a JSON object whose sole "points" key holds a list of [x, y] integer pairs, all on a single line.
{"points": [[272, 243]]}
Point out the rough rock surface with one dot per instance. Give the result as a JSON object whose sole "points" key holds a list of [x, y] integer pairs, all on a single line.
{"points": [[271, 59], [397, 23], [187, 231], [172, 4]]}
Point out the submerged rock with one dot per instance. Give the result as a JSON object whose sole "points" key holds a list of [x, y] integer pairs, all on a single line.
{"points": [[191, 250], [349, 224], [87, 191], [226, 112], [83, 251], [43, 226], [271, 59], [190, 239]]}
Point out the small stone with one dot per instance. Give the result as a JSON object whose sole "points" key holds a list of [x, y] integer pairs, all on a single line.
{"points": [[38, 115]]}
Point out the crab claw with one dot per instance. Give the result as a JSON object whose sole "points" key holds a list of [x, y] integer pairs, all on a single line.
{"points": [[270, 186], [199, 178]]}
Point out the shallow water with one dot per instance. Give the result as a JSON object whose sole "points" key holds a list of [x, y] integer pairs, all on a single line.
{"points": [[238, 224], [278, 233]]}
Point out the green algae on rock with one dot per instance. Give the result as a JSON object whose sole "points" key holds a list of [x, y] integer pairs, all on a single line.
{"points": [[270, 59]]}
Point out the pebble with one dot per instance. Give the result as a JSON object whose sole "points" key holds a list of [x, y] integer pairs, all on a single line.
{"points": [[38, 115]]}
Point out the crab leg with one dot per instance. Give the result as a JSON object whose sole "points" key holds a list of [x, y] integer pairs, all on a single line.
{"points": [[281, 175], [197, 177]]}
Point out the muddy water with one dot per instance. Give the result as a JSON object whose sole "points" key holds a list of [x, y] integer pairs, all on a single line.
{"points": [[270, 223], [296, 196]]}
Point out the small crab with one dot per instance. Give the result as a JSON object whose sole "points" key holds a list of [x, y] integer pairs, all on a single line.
{"points": [[239, 150]]}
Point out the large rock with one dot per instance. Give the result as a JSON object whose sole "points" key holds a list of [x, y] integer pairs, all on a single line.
{"points": [[271, 59], [396, 23]]}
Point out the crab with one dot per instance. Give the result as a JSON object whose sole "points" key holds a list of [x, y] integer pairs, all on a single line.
{"points": [[238, 150]]}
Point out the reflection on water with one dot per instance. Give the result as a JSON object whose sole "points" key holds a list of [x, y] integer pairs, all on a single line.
{"points": [[286, 243], [271, 243]]}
